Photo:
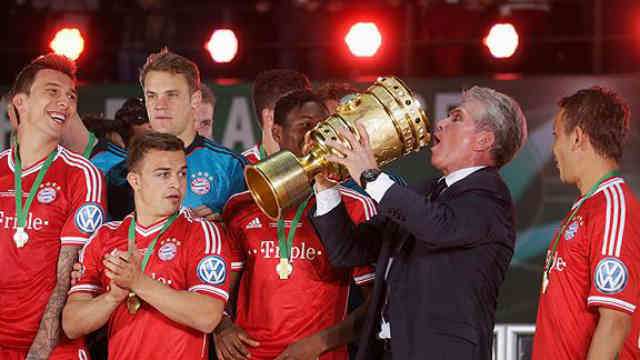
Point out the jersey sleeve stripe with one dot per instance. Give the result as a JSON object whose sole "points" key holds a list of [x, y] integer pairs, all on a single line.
{"points": [[607, 223], [369, 207], [593, 300], [70, 240], [85, 288], [623, 216], [364, 278], [207, 237], [235, 265], [92, 176], [214, 249], [93, 181], [210, 289], [217, 239], [616, 220]]}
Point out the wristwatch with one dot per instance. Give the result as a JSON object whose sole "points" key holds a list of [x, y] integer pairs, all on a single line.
{"points": [[368, 176]]}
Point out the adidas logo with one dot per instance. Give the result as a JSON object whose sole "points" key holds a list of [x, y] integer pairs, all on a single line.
{"points": [[254, 224]]}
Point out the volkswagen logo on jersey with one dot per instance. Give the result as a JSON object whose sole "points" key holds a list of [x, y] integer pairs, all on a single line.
{"points": [[201, 183], [167, 251], [571, 231], [611, 276], [212, 270], [89, 217]]}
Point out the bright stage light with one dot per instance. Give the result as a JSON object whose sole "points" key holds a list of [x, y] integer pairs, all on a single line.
{"points": [[502, 40], [363, 39], [68, 42], [222, 46]]}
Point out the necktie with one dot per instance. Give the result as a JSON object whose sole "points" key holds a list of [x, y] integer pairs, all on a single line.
{"points": [[438, 189]]}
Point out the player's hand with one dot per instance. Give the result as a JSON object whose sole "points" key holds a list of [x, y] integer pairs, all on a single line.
{"points": [[116, 294], [322, 182], [231, 343], [76, 273], [305, 349], [203, 211], [123, 270], [356, 159]]}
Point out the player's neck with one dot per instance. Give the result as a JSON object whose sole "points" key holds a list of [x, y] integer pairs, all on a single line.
{"points": [[595, 170], [270, 146], [188, 136], [34, 146], [147, 220]]}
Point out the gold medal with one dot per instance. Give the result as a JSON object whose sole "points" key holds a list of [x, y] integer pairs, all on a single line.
{"points": [[20, 237], [284, 269], [545, 282], [133, 303]]}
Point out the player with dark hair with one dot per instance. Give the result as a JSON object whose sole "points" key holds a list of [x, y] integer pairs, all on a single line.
{"points": [[291, 301], [55, 201], [270, 86], [204, 114]]}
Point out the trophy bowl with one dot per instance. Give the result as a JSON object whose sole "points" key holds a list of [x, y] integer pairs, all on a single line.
{"points": [[395, 123]]}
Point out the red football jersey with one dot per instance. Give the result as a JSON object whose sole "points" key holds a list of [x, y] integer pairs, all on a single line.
{"points": [[279, 312], [191, 255], [252, 154], [596, 263], [66, 210]]}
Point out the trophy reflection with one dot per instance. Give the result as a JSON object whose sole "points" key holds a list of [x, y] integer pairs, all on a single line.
{"points": [[387, 110]]}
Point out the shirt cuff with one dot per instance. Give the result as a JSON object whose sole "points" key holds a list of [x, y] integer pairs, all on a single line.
{"points": [[327, 200], [379, 187]]}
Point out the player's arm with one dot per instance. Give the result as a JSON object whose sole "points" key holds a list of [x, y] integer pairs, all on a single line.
{"points": [[47, 336], [613, 327], [340, 334], [84, 313], [231, 340], [197, 311]]}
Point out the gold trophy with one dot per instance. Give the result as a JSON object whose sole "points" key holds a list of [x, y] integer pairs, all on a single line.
{"points": [[390, 113]]}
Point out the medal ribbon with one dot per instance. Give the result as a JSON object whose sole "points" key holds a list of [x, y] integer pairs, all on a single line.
{"points": [[285, 246], [90, 145], [593, 189], [132, 238], [21, 213], [263, 154]]}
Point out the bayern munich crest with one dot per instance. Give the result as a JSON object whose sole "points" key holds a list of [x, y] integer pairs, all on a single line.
{"points": [[169, 249], [571, 231], [201, 183], [48, 193]]}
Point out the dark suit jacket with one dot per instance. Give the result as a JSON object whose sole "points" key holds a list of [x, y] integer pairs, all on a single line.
{"points": [[450, 258]]}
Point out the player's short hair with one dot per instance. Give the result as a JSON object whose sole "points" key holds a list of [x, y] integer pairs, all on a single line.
{"points": [[146, 142], [603, 115], [99, 125], [207, 95], [271, 85], [291, 101], [25, 78], [335, 90], [167, 61], [132, 113]]}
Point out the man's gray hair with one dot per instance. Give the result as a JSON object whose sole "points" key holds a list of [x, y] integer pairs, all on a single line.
{"points": [[504, 118]]}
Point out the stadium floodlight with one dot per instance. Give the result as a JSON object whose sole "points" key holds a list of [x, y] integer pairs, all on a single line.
{"points": [[68, 42], [363, 39], [502, 40], [222, 46]]}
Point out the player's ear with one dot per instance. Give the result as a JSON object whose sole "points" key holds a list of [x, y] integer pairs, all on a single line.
{"points": [[134, 180]]}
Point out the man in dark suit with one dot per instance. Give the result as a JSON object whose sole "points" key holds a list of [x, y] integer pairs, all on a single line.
{"points": [[442, 256]]}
